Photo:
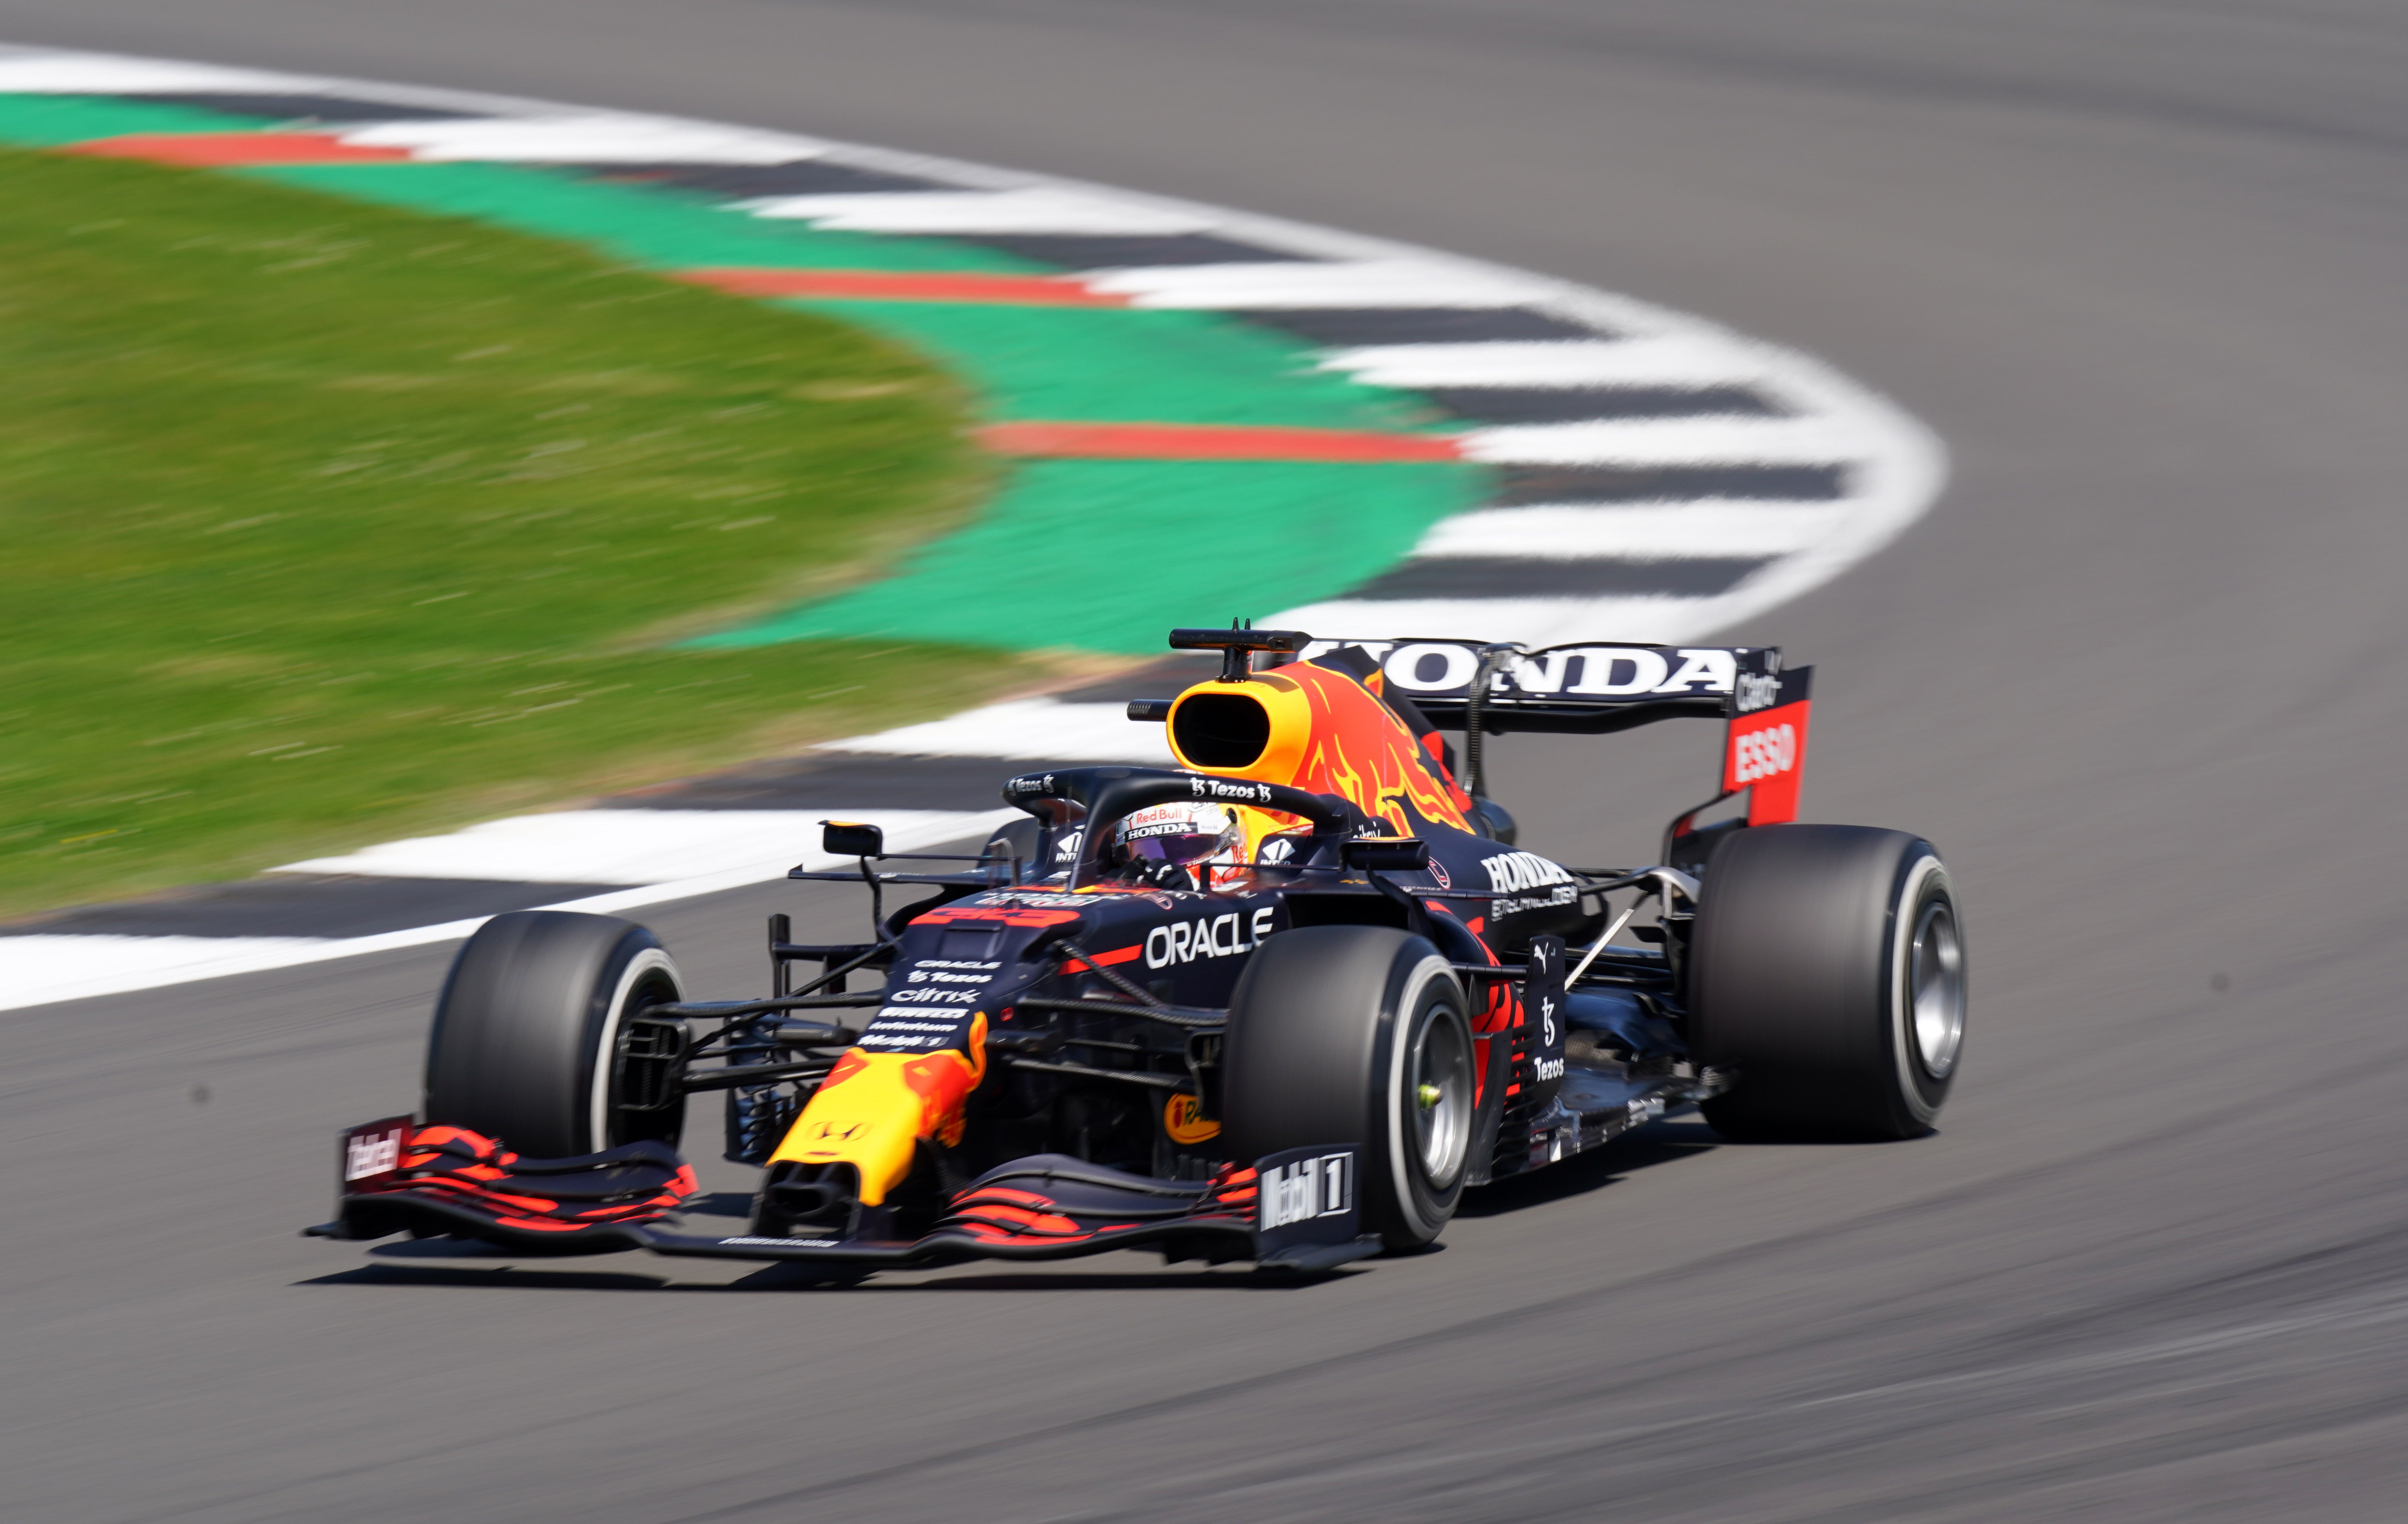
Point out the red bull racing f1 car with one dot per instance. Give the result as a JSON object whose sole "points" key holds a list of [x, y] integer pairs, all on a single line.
{"points": [[1284, 1003]]}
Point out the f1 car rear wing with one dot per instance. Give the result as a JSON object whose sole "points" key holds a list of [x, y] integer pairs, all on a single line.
{"points": [[1577, 690], [1592, 690]]}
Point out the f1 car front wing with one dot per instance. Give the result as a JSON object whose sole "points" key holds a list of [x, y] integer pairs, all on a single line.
{"points": [[1295, 1210]]}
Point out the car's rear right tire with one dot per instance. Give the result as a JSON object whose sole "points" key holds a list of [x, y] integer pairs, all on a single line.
{"points": [[1828, 971], [1356, 1034], [537, 1037]]}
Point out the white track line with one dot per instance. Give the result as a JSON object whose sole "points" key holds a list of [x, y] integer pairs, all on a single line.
{"points": [[44, 73], [1069, 211], [1671, 441], [1297, 284], [41, 967], [635, 845], [1651, 533], [1533, 621], [147, 963], [1037, 730], [44, 969], [1681, 359], [598, 137]]}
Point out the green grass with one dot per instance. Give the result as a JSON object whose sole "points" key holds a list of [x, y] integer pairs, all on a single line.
{"points": [[325, 523]]}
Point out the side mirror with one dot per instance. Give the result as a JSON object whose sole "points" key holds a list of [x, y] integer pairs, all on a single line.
{"points": [[849, 838], [1385, 854]]}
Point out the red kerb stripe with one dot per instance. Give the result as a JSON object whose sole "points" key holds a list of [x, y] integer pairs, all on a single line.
{"points": [[233, 151], [905, 286], [1212, 442]]}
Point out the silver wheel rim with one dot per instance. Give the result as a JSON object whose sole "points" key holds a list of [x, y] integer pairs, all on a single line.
{"points": [[1936, 975], [1440, 1099], [647, 965]]}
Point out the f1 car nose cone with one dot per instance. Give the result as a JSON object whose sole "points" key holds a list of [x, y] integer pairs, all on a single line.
{"points": [[1937, 983]]}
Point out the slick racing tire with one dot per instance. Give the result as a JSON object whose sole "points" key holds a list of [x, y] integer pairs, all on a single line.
{"points": [[1828, 970], [1356, 1034], [532, 1036]]}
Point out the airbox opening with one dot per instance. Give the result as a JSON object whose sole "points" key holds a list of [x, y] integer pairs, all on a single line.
{"points": [[1221, 730]]}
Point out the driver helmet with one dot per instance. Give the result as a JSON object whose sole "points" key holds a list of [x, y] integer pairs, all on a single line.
{"points": [[1182, 833]]}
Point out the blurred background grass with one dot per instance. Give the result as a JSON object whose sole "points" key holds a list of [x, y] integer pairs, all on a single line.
{"points": [[325, 523]]}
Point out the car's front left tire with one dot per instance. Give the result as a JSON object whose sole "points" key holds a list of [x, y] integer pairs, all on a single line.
{"points": [[537, 1034], [1356, 1034]]}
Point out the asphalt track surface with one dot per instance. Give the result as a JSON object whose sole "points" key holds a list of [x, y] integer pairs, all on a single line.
{"points": [[2139, 263]]}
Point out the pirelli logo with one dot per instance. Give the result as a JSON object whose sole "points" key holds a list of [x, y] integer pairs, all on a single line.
{"points": [[1304, 1189]]}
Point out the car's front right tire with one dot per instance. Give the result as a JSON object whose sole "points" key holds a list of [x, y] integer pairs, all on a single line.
{"points": [[1356, 1034], [531, 1042]]}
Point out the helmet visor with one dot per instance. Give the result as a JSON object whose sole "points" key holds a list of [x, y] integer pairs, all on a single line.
{"points": [[1180, 833]]}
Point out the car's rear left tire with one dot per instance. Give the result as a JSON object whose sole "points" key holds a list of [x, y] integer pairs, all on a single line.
{"points": [[1356, 1034], [532, 1034], [1828, 970]]}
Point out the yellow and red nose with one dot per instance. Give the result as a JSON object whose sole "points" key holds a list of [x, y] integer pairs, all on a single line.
{"points": [[874, 1109]]}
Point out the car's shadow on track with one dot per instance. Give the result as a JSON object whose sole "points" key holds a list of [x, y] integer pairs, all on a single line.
{"points": [[516, 1275], [1236, 1278], [444, 1261], [513, 1275], [1658, 1143]]}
